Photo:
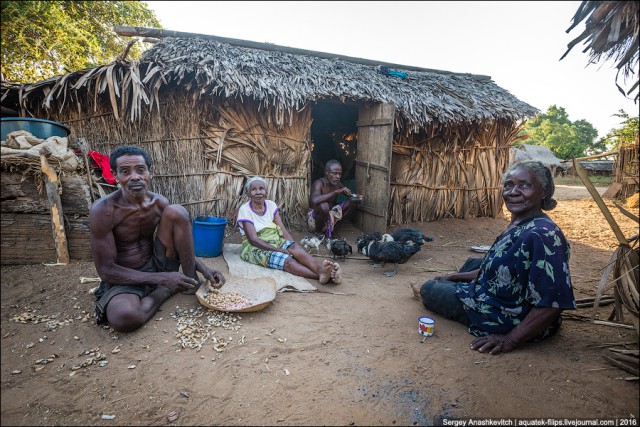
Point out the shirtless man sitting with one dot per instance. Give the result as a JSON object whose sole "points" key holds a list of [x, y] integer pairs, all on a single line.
{"points": [[139, 242], [324, 213]]}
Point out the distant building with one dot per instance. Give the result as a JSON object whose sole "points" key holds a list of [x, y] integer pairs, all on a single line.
{"points": [[541, 153], [594, 167]]}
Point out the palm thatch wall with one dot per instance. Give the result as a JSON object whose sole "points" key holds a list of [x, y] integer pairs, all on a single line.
{"points": [[450, 172], [627, 171], [204, 152], [211, 114]]}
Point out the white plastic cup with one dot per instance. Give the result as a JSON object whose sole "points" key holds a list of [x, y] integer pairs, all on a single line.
{"points": [[425, 326]]}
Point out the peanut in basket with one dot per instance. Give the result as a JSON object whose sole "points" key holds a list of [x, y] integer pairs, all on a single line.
{"points": [[227, 301]]}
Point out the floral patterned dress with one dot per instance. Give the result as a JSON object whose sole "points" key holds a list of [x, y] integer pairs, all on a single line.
{"points": [[527, 267]]}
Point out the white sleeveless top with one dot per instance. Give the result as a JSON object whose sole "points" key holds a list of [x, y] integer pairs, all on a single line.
{"points": [[247, 214]]}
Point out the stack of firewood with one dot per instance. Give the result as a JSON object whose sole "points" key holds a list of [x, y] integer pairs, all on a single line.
{"points": [[625, 358]]}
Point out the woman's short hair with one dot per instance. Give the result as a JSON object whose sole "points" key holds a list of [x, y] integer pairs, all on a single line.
{"points": [[543, 175], [247, 185]]}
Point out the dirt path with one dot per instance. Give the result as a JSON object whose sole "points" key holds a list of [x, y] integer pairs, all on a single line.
{"points": [[575, 192], [354, 358]]}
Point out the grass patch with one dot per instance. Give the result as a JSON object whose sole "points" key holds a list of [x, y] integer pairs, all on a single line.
{"points": [[597, 180]]}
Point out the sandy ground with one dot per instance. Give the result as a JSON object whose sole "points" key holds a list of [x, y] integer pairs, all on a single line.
{"points": [[351, 357]]}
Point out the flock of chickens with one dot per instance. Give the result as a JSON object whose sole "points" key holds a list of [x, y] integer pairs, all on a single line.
{"points": [[395, 248]]}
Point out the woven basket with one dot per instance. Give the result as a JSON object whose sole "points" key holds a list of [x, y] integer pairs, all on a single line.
{"points": [[260, 291]]}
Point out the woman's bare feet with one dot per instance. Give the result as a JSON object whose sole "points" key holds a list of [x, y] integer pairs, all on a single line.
{"points": [[336, 273], [415, 287], [330, 272], [325, 272]]}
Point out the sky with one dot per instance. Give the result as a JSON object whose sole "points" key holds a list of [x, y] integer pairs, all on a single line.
{"points": [[517, 43]]}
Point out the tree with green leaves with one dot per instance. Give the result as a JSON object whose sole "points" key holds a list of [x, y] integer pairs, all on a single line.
{"points": [[42, 39], [626, 134], [565, 139]]}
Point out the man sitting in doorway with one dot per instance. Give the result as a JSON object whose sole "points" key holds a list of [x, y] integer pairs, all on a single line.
{"points": [[324, 213]]}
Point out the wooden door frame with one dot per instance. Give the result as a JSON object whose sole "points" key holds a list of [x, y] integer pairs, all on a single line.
{"points": [[373, 165]]}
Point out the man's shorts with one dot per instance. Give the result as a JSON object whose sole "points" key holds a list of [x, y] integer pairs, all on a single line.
{"points": [[157, 263], [335, 215]]}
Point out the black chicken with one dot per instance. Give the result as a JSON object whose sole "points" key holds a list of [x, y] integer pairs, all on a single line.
{"points": [[365, 239], [410, 236], [340, 248], [388, 251]]}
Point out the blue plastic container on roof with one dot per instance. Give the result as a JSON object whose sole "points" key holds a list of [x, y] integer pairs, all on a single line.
{"points": [[39, 128]]}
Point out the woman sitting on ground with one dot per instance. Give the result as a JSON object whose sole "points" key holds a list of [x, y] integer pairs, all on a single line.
{"points": [[266, 241], [517, 292]]}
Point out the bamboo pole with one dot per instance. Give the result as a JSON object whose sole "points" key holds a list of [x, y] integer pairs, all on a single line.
{"points": [[598, 199], [620, 364], [52, 185], [626, 213], [614, 324], [200, 201], [595, 156]]}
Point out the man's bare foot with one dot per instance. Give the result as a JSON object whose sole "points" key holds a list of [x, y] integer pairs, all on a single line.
{"points": [[336, 273], [325, 272], [415, 287]]}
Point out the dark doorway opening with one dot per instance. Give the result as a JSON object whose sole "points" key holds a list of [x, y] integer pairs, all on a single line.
{"points": [[334, 135]]}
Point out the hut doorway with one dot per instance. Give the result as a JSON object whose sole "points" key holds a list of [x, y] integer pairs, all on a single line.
{"points": [[334, 135]]}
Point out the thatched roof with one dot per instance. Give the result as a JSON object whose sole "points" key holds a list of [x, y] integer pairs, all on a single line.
{"points": [[541, 153], [285, 80], [611, 32], [598, 165]]}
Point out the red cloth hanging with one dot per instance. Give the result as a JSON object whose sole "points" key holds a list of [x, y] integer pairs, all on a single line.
{"points": [[103, 163]]}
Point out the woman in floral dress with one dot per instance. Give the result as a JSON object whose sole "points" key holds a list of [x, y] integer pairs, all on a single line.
{"points": [[516, 293]]}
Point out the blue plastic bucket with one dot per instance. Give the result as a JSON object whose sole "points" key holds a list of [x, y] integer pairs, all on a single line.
{"points": [[208, 235], [39, 128]]}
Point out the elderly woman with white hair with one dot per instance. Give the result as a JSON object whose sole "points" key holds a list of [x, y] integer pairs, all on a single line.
{"points": [[266, 241]]}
